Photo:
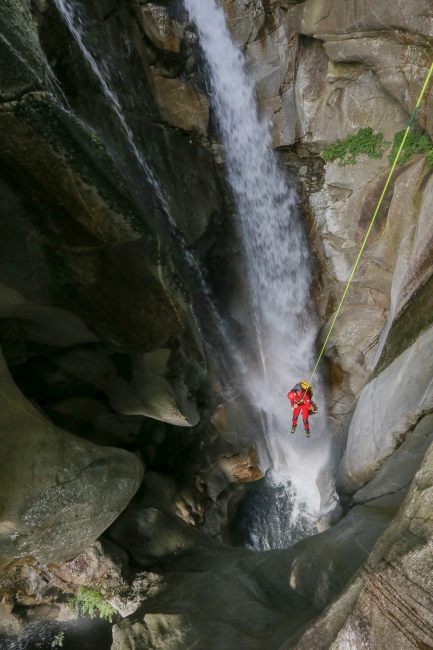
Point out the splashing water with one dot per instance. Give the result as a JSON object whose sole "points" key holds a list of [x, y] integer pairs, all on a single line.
{"points": [[276, 254], [273, 515], [274, 242]]}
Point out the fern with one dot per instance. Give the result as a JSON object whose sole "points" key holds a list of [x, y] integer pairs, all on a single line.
{"points": [[57, 642], [89, 601]]}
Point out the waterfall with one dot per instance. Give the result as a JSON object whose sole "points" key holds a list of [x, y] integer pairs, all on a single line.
{"points": [[275, 251], [274, 244]]}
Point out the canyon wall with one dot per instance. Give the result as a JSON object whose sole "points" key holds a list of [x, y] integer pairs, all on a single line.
{"points": [[119, 254]]}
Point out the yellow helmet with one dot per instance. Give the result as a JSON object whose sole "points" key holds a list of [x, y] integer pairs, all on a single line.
{"points": [[305, 385]]}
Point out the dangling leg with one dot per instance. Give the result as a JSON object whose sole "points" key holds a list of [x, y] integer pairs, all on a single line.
{"points": [[295, 416], [305, 414]]}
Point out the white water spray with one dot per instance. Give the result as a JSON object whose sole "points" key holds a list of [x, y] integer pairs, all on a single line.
{"points": [[275, 250]]}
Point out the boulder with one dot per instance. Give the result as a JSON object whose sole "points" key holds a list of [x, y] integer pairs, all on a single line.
{"points": [[389, 407], [180, 631], [59, 493], [101, 565], [150, 537], [254, 600], [160, 26], [163, 493], [318, 567], [240, 468], [136, 385]]}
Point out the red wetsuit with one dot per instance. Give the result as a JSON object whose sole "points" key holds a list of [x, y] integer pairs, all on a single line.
{"points": [[301, 401]]}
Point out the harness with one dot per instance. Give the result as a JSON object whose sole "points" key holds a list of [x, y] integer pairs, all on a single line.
{"points": [[301, 402]]}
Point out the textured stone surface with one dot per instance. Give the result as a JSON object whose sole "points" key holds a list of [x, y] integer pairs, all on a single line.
{"points": [[334, 100], [389, 407], [58, 492], [160, 26], [179, 631], [343, 209], [100, 565], [388, 605], [181, 104], [245, 21], [151, 394], [400, 62], [96, 251], [398, 471], [151, 537], [270, 62], [256, 600]]}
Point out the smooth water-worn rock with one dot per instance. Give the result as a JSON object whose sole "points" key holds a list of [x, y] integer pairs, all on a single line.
{"points": [[389, 408], [214, 591], [59, 493], [388, 604], [151, 394], [151, 537], [113, 213], [91, 419], [179, 631], [391, 263], [398, 471]]}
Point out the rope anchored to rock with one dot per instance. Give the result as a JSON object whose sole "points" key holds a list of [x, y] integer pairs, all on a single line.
{"points": [[424, 88]]}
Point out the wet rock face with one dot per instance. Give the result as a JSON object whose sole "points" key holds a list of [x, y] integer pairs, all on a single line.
{"points": [[379, 425], [59, 493], [106, 181], [377, 609], [113, 208]]}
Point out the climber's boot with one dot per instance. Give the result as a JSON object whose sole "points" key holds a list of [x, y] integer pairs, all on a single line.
{"points": [[292, 430], [307, 432]]}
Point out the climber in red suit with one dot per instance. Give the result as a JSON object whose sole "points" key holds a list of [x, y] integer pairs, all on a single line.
{"points": [[300, 399]]}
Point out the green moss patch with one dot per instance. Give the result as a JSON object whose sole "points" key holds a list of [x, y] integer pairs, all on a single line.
{"points": [[415, 143], [348, 149], [365, 141]]}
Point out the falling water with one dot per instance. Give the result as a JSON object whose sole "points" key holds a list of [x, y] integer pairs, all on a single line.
{"points": [[73, 18], [274, 242], [275, 250]]}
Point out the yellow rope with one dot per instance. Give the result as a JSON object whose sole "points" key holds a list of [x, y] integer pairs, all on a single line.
{"points": [[373, 220]]}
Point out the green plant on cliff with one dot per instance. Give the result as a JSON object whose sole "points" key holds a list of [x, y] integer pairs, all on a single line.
{"points": [[373, 144], [89, 601], [347, 150], [57, 642], [415, 143]]}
